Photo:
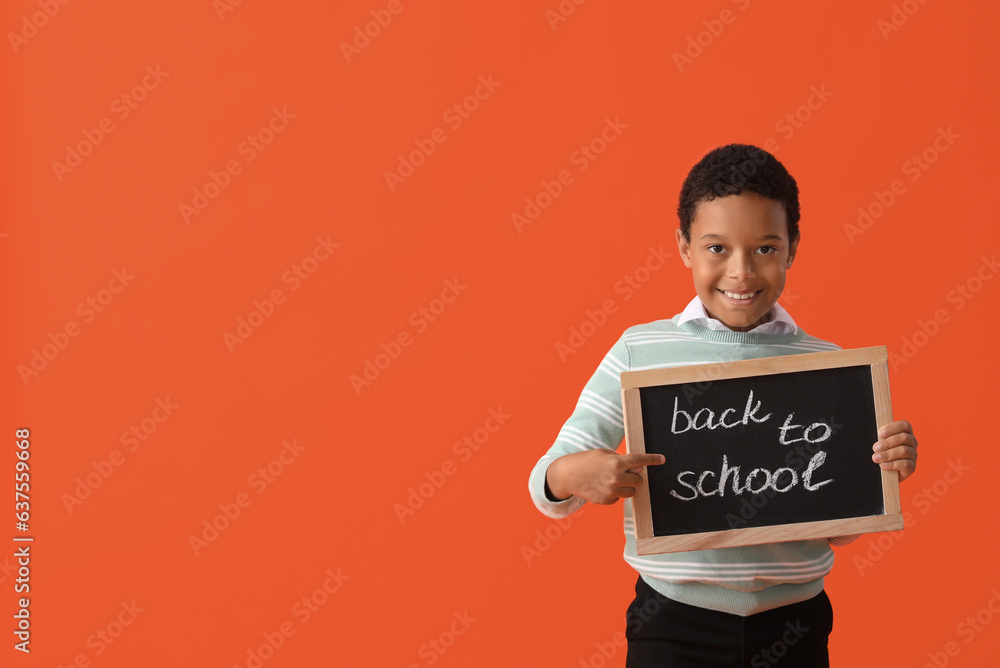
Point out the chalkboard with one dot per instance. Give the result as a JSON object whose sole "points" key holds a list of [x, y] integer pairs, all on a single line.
{"points": [[758, 451]]}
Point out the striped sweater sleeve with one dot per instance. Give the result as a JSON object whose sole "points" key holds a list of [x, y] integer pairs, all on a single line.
{"points": [[596, 422]]}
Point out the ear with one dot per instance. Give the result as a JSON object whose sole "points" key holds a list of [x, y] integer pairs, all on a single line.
{"points": [[793, 247], [684, 248]]}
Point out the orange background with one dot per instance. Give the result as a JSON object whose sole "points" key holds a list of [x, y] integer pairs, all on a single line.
{"points": [[323, 175]]}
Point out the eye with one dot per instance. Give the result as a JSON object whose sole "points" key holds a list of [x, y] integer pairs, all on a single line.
{"points": [[767, 250], [716, 249]]}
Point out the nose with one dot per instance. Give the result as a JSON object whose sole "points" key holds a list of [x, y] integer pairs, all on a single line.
{"points": [[740, 267]]}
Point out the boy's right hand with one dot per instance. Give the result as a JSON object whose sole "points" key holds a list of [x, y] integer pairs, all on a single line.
{"points": [[599, 476]]}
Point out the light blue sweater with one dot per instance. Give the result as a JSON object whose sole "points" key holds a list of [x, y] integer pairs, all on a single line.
{"points": [[737, 580]]}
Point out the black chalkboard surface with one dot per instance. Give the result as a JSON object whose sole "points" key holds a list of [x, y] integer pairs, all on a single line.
{"points": [[761, 450]]}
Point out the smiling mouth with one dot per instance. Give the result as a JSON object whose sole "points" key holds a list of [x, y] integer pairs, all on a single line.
{"points": [[741, 296]]}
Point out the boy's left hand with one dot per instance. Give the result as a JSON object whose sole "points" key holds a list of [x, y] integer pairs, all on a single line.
{"points": [[896, 449]]}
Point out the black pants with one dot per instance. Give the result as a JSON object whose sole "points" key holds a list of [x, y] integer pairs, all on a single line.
{"points": [[664, 633]]}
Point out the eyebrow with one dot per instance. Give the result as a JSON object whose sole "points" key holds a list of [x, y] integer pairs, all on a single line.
{"points": [[766, 237]]}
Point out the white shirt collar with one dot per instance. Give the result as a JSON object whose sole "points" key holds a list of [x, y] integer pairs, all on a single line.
{"points": [[780, 323]]}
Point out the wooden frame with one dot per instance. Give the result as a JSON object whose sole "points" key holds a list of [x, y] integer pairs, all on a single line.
{"points": [[647, 543]]}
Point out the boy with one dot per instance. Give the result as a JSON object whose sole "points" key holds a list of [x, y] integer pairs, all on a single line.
{"points": [[758, 605]]}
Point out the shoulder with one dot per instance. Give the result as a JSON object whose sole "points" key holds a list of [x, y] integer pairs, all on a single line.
{"points": [[659, 343], [665, 326], [657, 331], [818, 343]]}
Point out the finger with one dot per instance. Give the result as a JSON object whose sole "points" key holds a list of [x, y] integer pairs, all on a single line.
{"points": [[904, 466], [893, 454], [894, 428], [636, 461], [630, 480], [623, 479], [626, 492], [609, 482], [895, 441]]}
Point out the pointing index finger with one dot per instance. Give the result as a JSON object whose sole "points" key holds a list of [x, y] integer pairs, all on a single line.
{"points": [[648, 459]]}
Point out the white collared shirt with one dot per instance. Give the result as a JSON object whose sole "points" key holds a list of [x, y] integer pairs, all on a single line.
{"points": [[780, 322]]}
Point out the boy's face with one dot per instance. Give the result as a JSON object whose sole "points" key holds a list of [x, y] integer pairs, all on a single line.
{"points": [[738, 254]]}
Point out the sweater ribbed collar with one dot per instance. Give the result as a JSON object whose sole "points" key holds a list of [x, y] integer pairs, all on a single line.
{"points": [[729, 336]]}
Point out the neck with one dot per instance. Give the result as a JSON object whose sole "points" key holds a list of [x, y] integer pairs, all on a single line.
{"points": [[767, 317], [732, 336]]}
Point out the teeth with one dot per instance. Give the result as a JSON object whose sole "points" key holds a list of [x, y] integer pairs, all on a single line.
{"points": [[743, 296]]}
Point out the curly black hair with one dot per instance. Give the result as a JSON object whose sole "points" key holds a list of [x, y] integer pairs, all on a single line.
{"points": [[734, 169]]}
